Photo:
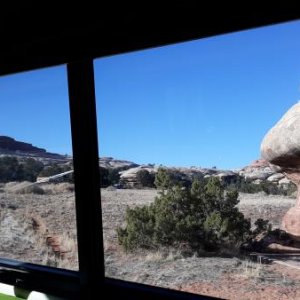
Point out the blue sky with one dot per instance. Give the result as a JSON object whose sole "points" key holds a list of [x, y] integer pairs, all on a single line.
{"points": [[206, 103], [35, 109]]}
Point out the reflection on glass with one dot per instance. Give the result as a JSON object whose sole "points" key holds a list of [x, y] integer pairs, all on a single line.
{"points": [[37, 214]]}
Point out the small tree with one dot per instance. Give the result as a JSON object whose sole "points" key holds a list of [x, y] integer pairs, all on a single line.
{"points": [[10, 169], [162, 179], [145, 178], [104, 177], [113, 176], [165, 179], [31, 169]]}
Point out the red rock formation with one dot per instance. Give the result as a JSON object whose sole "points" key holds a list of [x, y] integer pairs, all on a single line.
{"points": [[55, 244], [281, 147], [291, 220]]}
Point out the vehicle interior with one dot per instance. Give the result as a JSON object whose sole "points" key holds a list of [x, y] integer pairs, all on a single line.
{"points": [[40, 35]]}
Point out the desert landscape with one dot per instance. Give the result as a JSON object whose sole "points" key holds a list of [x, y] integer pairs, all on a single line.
{"points": [[38, 223], [230, 276], [28, 221]]}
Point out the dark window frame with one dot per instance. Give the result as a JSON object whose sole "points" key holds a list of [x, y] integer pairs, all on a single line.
{"points": [[91, 277]]}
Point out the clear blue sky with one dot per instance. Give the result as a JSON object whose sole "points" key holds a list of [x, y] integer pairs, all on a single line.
{"points": [[202, 103]]}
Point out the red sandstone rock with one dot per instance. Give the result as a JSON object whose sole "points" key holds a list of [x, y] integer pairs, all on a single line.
{"points": [[291, 222], [281, 147]]}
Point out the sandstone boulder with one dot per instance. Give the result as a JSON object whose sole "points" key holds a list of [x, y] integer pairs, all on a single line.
{"points": [[129, 177], [258, 170], [284, 181], [276, 177], [281, 145]]}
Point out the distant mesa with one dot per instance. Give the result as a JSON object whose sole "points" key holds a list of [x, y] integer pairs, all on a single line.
{"points": [[9, 146]]}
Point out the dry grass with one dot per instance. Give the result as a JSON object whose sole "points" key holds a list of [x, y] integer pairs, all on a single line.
{"points": [[58, 188], [27, 220], [163, 255], [251, 270], [32, 189], [24, 187]]}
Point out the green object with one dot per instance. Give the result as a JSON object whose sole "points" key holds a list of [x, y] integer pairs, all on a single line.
{"points": [[5, 297], [203, 216]]}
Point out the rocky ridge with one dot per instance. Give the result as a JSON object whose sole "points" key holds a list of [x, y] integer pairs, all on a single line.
{"points": [[258, 171], [12, 147]]}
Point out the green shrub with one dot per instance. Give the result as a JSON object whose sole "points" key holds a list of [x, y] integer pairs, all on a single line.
{"points": [[31, 169], [104, 180], [261, 226], [34, 189], [163, 179], [55, 169], [11, 169], [203, 216], [145, 178], [113, 176], [270, 188], [166, 178], [109, 176]]}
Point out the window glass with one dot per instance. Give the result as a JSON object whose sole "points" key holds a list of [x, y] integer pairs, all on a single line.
{"points": [[37, 208], [187, 197]]}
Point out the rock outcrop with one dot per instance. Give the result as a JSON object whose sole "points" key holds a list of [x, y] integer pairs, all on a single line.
{"points": [[281, 147], [129, 177], [257, 172], [111, 163], [259, 169], [9, 146]]}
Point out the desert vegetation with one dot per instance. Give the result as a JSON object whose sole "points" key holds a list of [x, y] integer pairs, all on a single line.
{"points": [[41, 228], [201, 217], [161, 231], [248, 186], [227, 271], [13, 169]]}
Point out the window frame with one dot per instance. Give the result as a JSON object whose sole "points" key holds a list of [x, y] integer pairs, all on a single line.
{"points": [[90, 278]]}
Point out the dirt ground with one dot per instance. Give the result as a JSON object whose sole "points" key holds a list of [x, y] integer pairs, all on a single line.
{"points": [[39, 228], [28, 220]]}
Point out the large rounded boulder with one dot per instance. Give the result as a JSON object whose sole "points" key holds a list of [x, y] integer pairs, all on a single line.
{"points": [[281, 145]]}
